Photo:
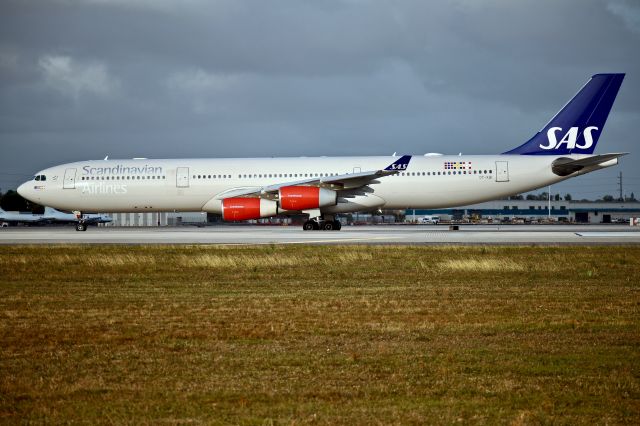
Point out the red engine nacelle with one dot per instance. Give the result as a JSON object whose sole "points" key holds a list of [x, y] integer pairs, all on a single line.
{"points": [[306, 197], [247, 208]]}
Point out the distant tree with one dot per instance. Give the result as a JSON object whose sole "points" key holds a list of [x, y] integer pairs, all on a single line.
{"points": [[608, 198], [632, 197], [532, 197], [516, 197], [12, 201], [567, 197], [556, 197]]}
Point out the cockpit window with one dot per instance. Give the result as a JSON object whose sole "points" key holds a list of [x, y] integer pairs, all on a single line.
{"points": [[43, 177], [37, 177]]}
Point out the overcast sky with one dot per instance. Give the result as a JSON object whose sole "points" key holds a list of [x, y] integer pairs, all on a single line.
{"points": [[82, 79]]}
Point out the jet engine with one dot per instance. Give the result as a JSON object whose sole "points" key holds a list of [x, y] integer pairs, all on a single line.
{"points": [[306, 197], [247, 208]]}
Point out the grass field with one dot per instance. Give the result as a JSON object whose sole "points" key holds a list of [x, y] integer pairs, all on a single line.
{"points": [[320, 334]]}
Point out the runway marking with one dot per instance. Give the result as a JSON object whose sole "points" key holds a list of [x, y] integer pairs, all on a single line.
{"points": [[609, 234]]}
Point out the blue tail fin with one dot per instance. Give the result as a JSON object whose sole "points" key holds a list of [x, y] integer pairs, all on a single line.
{"points": [[577, 127]]}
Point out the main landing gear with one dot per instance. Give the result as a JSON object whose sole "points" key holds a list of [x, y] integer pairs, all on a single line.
{"points": [[319, 223]]}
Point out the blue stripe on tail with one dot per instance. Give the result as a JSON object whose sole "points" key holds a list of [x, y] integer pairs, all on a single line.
{"points": [[577, 127]]}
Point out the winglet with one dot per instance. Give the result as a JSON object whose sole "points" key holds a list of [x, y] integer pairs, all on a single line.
{"points": [[401, 164]]}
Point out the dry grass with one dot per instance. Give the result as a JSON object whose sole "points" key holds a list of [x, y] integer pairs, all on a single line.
{"points": [[483, 265], [353, 334]]}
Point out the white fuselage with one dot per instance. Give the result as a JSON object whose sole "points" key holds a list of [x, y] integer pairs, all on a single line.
{"points": [[189, 184]]}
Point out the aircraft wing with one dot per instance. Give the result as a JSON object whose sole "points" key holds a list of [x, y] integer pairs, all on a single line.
{"points": [[349, 181], [565, 166]]}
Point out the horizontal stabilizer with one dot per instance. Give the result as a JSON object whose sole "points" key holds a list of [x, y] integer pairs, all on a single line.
{"points": [[564, 166]]}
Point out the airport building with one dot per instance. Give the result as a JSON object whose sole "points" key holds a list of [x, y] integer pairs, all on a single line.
{"points": [[158, 219], [536, 211]]}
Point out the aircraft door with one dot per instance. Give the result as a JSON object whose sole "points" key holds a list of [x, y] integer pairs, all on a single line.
{"points": [[69, 179], [502, 171], [182, 177]]}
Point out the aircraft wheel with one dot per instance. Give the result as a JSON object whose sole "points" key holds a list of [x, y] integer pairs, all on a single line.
{"points": [[309, 226], [81, 226], [337, 225], [328, 226]]}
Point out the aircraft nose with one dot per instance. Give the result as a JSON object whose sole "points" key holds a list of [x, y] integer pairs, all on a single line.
{"points": [[24, 190]]}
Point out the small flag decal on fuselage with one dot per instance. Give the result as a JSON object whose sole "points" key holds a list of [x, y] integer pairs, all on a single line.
{"points": [[457, 165]]}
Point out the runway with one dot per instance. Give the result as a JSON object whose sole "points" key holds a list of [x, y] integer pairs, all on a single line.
{"points": [[377, 234]]}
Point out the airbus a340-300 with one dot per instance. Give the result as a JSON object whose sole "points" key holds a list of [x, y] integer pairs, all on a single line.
{"points": [[252, 188]]}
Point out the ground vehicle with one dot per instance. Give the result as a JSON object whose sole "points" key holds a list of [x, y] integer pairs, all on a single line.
{"points": [[432, 220]]}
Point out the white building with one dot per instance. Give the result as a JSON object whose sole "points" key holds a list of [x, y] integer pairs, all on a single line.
{"points": [[537, 210], [157, 218]]}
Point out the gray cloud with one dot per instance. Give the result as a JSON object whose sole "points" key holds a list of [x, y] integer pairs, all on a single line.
{"points": [[83, 79]]}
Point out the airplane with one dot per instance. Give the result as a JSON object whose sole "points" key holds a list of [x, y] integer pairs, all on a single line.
{"points": [[7, 218], [251, 188], [52, 215]]}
